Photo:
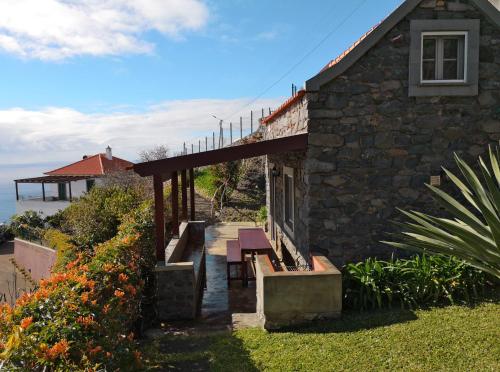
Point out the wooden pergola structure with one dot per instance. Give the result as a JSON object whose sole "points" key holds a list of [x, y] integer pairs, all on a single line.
{"points": [[51, 179], [165, 169]]}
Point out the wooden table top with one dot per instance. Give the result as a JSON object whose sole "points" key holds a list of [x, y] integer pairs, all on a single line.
{"points": [[253, 239]]}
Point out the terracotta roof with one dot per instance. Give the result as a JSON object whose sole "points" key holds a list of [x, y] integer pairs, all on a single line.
{"points": [[285, 106], [95, 165], [333, 62], [294, 99]]}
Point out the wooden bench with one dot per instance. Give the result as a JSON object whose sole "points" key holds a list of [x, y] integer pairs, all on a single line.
{"points": [[233, 256]]}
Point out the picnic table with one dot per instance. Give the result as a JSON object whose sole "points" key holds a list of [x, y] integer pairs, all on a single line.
{"points": [[252, 241]]}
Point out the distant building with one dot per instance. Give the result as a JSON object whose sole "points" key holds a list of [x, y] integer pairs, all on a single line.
{"points": [[63, 185]]}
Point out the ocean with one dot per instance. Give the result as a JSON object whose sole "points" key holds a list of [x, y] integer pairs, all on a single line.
{"points": [[7, 201], [8, 197]]}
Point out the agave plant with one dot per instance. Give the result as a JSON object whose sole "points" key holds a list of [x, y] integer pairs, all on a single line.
{"points": [[473, 234]]}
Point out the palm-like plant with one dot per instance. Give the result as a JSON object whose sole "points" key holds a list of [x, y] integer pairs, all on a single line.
{"points": [[474, 232]]}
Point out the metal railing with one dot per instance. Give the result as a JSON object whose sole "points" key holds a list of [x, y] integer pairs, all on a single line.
{"points": [[228, 133]]}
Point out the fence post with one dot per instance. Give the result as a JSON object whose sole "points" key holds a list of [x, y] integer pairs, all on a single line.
{"points": [[231, 132], [251, 121], [206, 143], [241, 127]]}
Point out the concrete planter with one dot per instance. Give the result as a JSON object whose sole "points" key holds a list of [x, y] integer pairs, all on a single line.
{"points": [[293, 297]]}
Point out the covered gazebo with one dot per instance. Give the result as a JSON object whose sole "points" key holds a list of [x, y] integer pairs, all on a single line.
{"points": [[63, 179], [169, 168]]}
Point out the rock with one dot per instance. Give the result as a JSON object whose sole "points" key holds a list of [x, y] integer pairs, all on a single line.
{"points": [[335, 181], [326, 140], [491, 126], [390, 85]]}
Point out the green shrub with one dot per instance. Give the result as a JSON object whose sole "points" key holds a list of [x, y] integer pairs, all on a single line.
{"points": [[6, 233], [226, 177], [262, 215], [96, 216], [28, 225], [66, 251], [81, 319], [419, 281], [205, 182]]}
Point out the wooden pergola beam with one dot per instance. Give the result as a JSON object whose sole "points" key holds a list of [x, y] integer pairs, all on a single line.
{"points": [[191, 194], [166, 166], [175, 204], [184, 213], [159, 218]]}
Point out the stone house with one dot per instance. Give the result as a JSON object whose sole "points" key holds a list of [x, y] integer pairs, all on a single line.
{"points": [[381, 121]]}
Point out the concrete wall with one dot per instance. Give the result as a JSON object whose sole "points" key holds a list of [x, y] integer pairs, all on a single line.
{"points": [[180, 283], [34, 258], [286, 298]]}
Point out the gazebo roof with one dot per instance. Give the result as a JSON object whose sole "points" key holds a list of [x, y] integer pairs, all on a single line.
{"points": [[53, 179]]}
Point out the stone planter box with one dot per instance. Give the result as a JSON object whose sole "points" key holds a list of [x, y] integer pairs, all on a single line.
{"points": [[181, 278], [293, 297]]}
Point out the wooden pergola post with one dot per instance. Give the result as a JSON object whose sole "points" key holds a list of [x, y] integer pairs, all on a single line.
{"points": [[159, 217], [184, 215], [70, 195], [43, 191], [17, 191], [191, 194], [175, 204]]}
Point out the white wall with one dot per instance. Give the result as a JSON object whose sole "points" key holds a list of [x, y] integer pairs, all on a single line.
{"points": [[78, 188], [50, 207], [47, 208]]}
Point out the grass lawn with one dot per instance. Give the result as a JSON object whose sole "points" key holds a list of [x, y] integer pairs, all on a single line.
{"points": [[455, 338]]}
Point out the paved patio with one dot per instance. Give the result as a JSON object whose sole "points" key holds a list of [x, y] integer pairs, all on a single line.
{"points": [[234, 306]]}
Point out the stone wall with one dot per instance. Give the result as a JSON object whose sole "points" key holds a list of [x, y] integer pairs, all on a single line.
{"points": [[180, 280], [294, 121], [372, 147]]}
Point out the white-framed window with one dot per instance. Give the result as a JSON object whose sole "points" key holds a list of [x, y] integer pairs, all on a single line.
{"points": [[444, 57], [288, 200]]}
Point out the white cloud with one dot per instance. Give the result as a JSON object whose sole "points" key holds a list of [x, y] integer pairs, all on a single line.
{"points": [[58, 29], [60, 134]]}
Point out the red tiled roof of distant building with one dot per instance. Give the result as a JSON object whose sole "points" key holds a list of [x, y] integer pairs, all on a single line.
{"points": [[285, 106], [95, 165]]}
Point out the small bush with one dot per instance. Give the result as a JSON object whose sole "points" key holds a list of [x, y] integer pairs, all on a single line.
{"points": [[6, 233], [96, 216], [28, 225], [205, 182], [81, 319], [419, 281], [66, 251]]}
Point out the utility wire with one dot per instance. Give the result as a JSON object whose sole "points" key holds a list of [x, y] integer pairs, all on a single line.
{"points": [[299, 62]]}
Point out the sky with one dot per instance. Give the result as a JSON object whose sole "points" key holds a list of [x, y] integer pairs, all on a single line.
{"points": [[79, 75]]}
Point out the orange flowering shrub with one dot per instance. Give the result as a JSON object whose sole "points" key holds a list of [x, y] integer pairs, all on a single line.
{"points": [[81, 317]]}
